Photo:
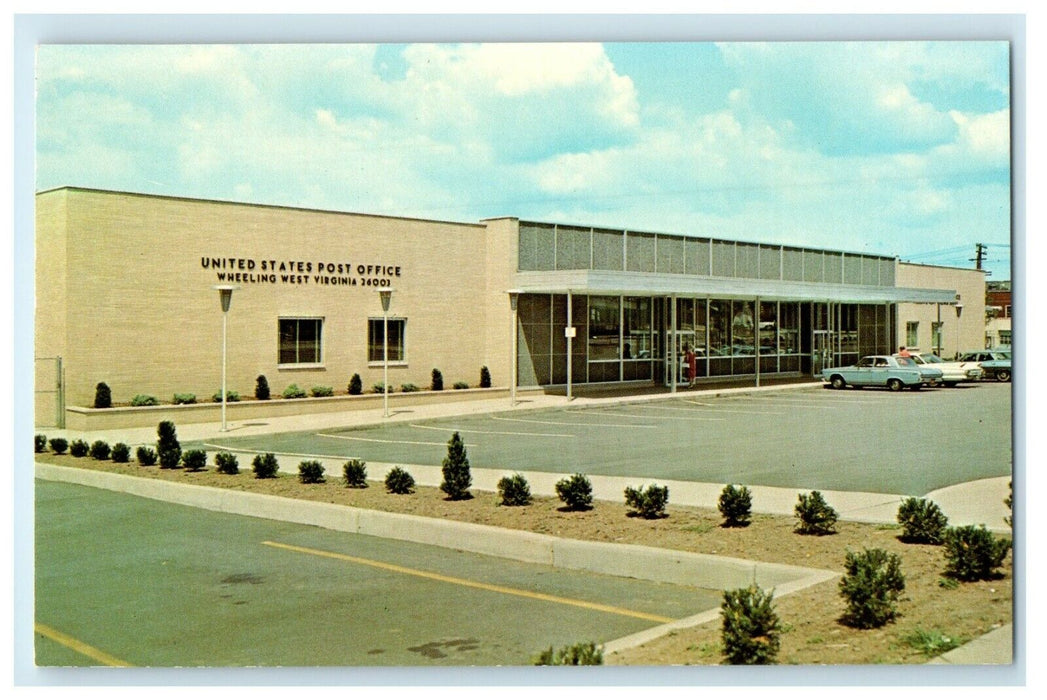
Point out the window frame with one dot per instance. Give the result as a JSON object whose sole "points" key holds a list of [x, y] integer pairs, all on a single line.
{"points": [[402, 362], [319, 362]]}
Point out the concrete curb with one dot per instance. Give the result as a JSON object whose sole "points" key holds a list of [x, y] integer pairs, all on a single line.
{"points": [[992, 648]]}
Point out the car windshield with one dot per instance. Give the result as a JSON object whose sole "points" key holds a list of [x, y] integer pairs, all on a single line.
{"points": [[931, 359], [906, 361], [1004, 355]]}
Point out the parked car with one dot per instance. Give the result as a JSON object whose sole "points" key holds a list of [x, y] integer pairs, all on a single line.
{"points": [[952, 372], [895, 373], [995, 363]]}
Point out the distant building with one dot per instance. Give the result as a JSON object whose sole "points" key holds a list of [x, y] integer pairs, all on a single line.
{"points": [[943, 328], [998, 310]]}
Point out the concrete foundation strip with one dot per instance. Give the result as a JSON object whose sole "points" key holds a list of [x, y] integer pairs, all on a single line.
{"points": [[631, 561]]}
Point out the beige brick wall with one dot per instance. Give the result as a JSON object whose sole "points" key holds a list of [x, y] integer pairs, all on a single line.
{"points": [[966, 332], [142, 315]]}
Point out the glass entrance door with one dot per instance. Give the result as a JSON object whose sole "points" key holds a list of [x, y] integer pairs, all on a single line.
{"points": [[682, 341], [821, 351]]}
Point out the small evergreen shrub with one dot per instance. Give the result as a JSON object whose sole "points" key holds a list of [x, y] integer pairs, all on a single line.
{"points": [[485, 378], [379, 388], [146, 456], [58, 445], [437, 383], [39, 442], [230, 396], [399, 481], [356, 386], [100, 450], [576, 491], [973, 553], [293, 391], [144, 400], [736, 505], [461, 385], [103, 396], [168, 449], [179, 399], [408, 388], [121, 453], [922, 521], [648, 503], [457, 478], [871, 587], [226, 463], [815, 515], [1009, 502], [194, 460], [355, 474], [311, 472], [79, 448], [322, 391], [261, 388], [265, 466], [514, 490], [580, 654], [751, 631]]}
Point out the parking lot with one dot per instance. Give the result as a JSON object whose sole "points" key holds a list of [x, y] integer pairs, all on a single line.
{"points": [[852, 440], [169, 585]]}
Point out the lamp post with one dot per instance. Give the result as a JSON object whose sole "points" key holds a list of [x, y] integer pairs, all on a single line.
{"points": [[225, 296], [959, 343], [514, 299], [386, 296]]}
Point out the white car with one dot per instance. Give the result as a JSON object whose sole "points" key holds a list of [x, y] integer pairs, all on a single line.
{"points": [[952, 372]]}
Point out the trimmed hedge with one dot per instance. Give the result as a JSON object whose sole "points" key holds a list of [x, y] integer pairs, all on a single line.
{"points": [[399, 481], [226, 463], [121, 453], [265, 466], [79, 448], [354, 472], [100, 450], [146, 456], [311, 472], [194, 460], [59, 445]]}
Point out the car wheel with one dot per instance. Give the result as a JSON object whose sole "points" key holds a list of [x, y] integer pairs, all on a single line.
{"points": [[894, 384], [837, 382], [1003, 375]]}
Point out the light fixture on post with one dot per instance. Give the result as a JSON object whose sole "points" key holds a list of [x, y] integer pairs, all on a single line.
{"points": [[959, 344], [225, 296], [514, 300], [386, 296]]}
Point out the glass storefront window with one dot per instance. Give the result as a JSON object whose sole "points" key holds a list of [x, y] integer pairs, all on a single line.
{"points": [[604, 328], [637, 329], [743, 329], [789, 328], [719, 329], [768, 328]]}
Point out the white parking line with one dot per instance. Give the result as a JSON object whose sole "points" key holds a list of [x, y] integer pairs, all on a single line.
{"points": [[489, 432], [584, 425], [727, 410], [391, 442]]}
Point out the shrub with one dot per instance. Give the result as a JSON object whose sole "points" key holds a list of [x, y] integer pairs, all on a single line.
{"points": [[355, 474], [485, 378], [461, 385], [399, 481], [261, 388], [121, 453], [179, 399], [100, 450], [576, 491], [816, 516], [379, 388], [457, 478], [59, 445], [311, 472], [168, 449], [580, 654], [230, 396], [751, 631], [408, 388], [146, 456], [226, 463], [871, 588], [973, 553], [514, 490], [648, 503], [1009, 502], [922, 521], [322, 391], [39, 442], [194, 460], [437, 384], [79, 448], [144, 400], [293, 392], [265, 466], [103, 396], [356, 387], [736, 506]]}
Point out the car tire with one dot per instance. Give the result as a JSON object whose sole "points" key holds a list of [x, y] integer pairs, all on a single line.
{"points": [[950, 384], [1004, 375], [837, 382], [894, 384]]}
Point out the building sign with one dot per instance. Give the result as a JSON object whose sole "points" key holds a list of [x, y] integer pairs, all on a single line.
{"points": [[318, 273]]}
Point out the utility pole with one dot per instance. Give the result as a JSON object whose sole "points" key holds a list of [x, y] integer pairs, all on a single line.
{"points": [[979, 253]]}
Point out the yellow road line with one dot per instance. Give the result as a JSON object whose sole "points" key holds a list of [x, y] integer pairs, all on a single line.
{"points": [[472, 584], [79, 647]]}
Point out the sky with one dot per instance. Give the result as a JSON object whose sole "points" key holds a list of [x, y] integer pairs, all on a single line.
{"points": [[895, 148]]}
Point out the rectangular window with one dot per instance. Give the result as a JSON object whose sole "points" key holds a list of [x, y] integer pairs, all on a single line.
{"points": [[1005, 337], [376, 339], [604, 328], [912, 329], [301, 341]]}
